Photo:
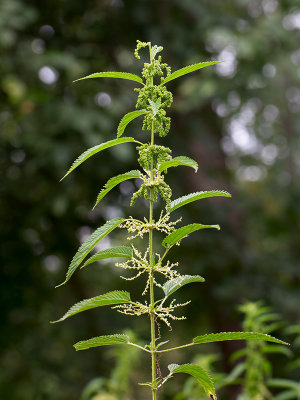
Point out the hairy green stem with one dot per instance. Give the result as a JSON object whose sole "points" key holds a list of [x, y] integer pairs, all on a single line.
{"points": [[152, 316], [152, 300]]}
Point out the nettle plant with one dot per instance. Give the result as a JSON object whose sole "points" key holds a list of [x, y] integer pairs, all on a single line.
{"points": [[162, 277]]}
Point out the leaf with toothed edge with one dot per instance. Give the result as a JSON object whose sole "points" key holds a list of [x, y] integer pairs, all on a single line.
{"points": [[182, 201], [155, 49], [199, 374], [126, 119], [223, 336], [180, 233], [102, 341], [112, 182], [113, 252], [173, 285], [90, 243], [115, 297], [93, 150], [188, 69], [180, 160], [155, 106], [112, 74]]}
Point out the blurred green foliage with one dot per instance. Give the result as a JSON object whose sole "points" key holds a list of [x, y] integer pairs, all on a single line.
{"points": [[253, 376], [239, 121]]}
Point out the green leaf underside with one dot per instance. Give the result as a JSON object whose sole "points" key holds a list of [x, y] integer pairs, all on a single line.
{"points": [[155, 49], [112, 74], [199, 374], [284, 383], [180, 160], [188, 69], [112, 182], [115, 297], [101, 341], [189, 198], [217, 337], [90, 243], [155, 106], [183, 232], [113, 252], [173, 285], [93, 150], [126, 119]]}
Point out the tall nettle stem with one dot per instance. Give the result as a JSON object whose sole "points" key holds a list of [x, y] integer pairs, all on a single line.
{"points": [[154, 160]]}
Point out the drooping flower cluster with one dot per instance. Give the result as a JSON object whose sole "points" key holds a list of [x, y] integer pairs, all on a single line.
{"points": [[161, 312], [141, 228], [153, 159], [156, 93], [150, 159], [140, 265]]}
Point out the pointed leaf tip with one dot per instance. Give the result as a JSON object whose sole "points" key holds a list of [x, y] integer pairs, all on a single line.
{"points": [[189, 198], [102, 341], [224, 336], [199, 374], [110, 298], [61, 284], [90, 243], [93, 150], [173, 285], [114, 181], [112, 74], [127, 118], [188, 69], [112, 252], [180, 233], [177, 161]]}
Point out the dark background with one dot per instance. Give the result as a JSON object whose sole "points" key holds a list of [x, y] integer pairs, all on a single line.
{"points": [[239, 120]]}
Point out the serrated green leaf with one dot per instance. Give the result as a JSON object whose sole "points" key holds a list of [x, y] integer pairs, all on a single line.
{"points": [[199, 373], [180, 160], [188, 69], [115, 297], [171, 367], [288, 395], [182, 201], [277, 349], [174, 284], [113, 252], [222, 336], [112, 182], [90, 243], [155, 105], [112, 74], [102, 341], [180, 233], [128, 118], [284, 383], [93, 150]]}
